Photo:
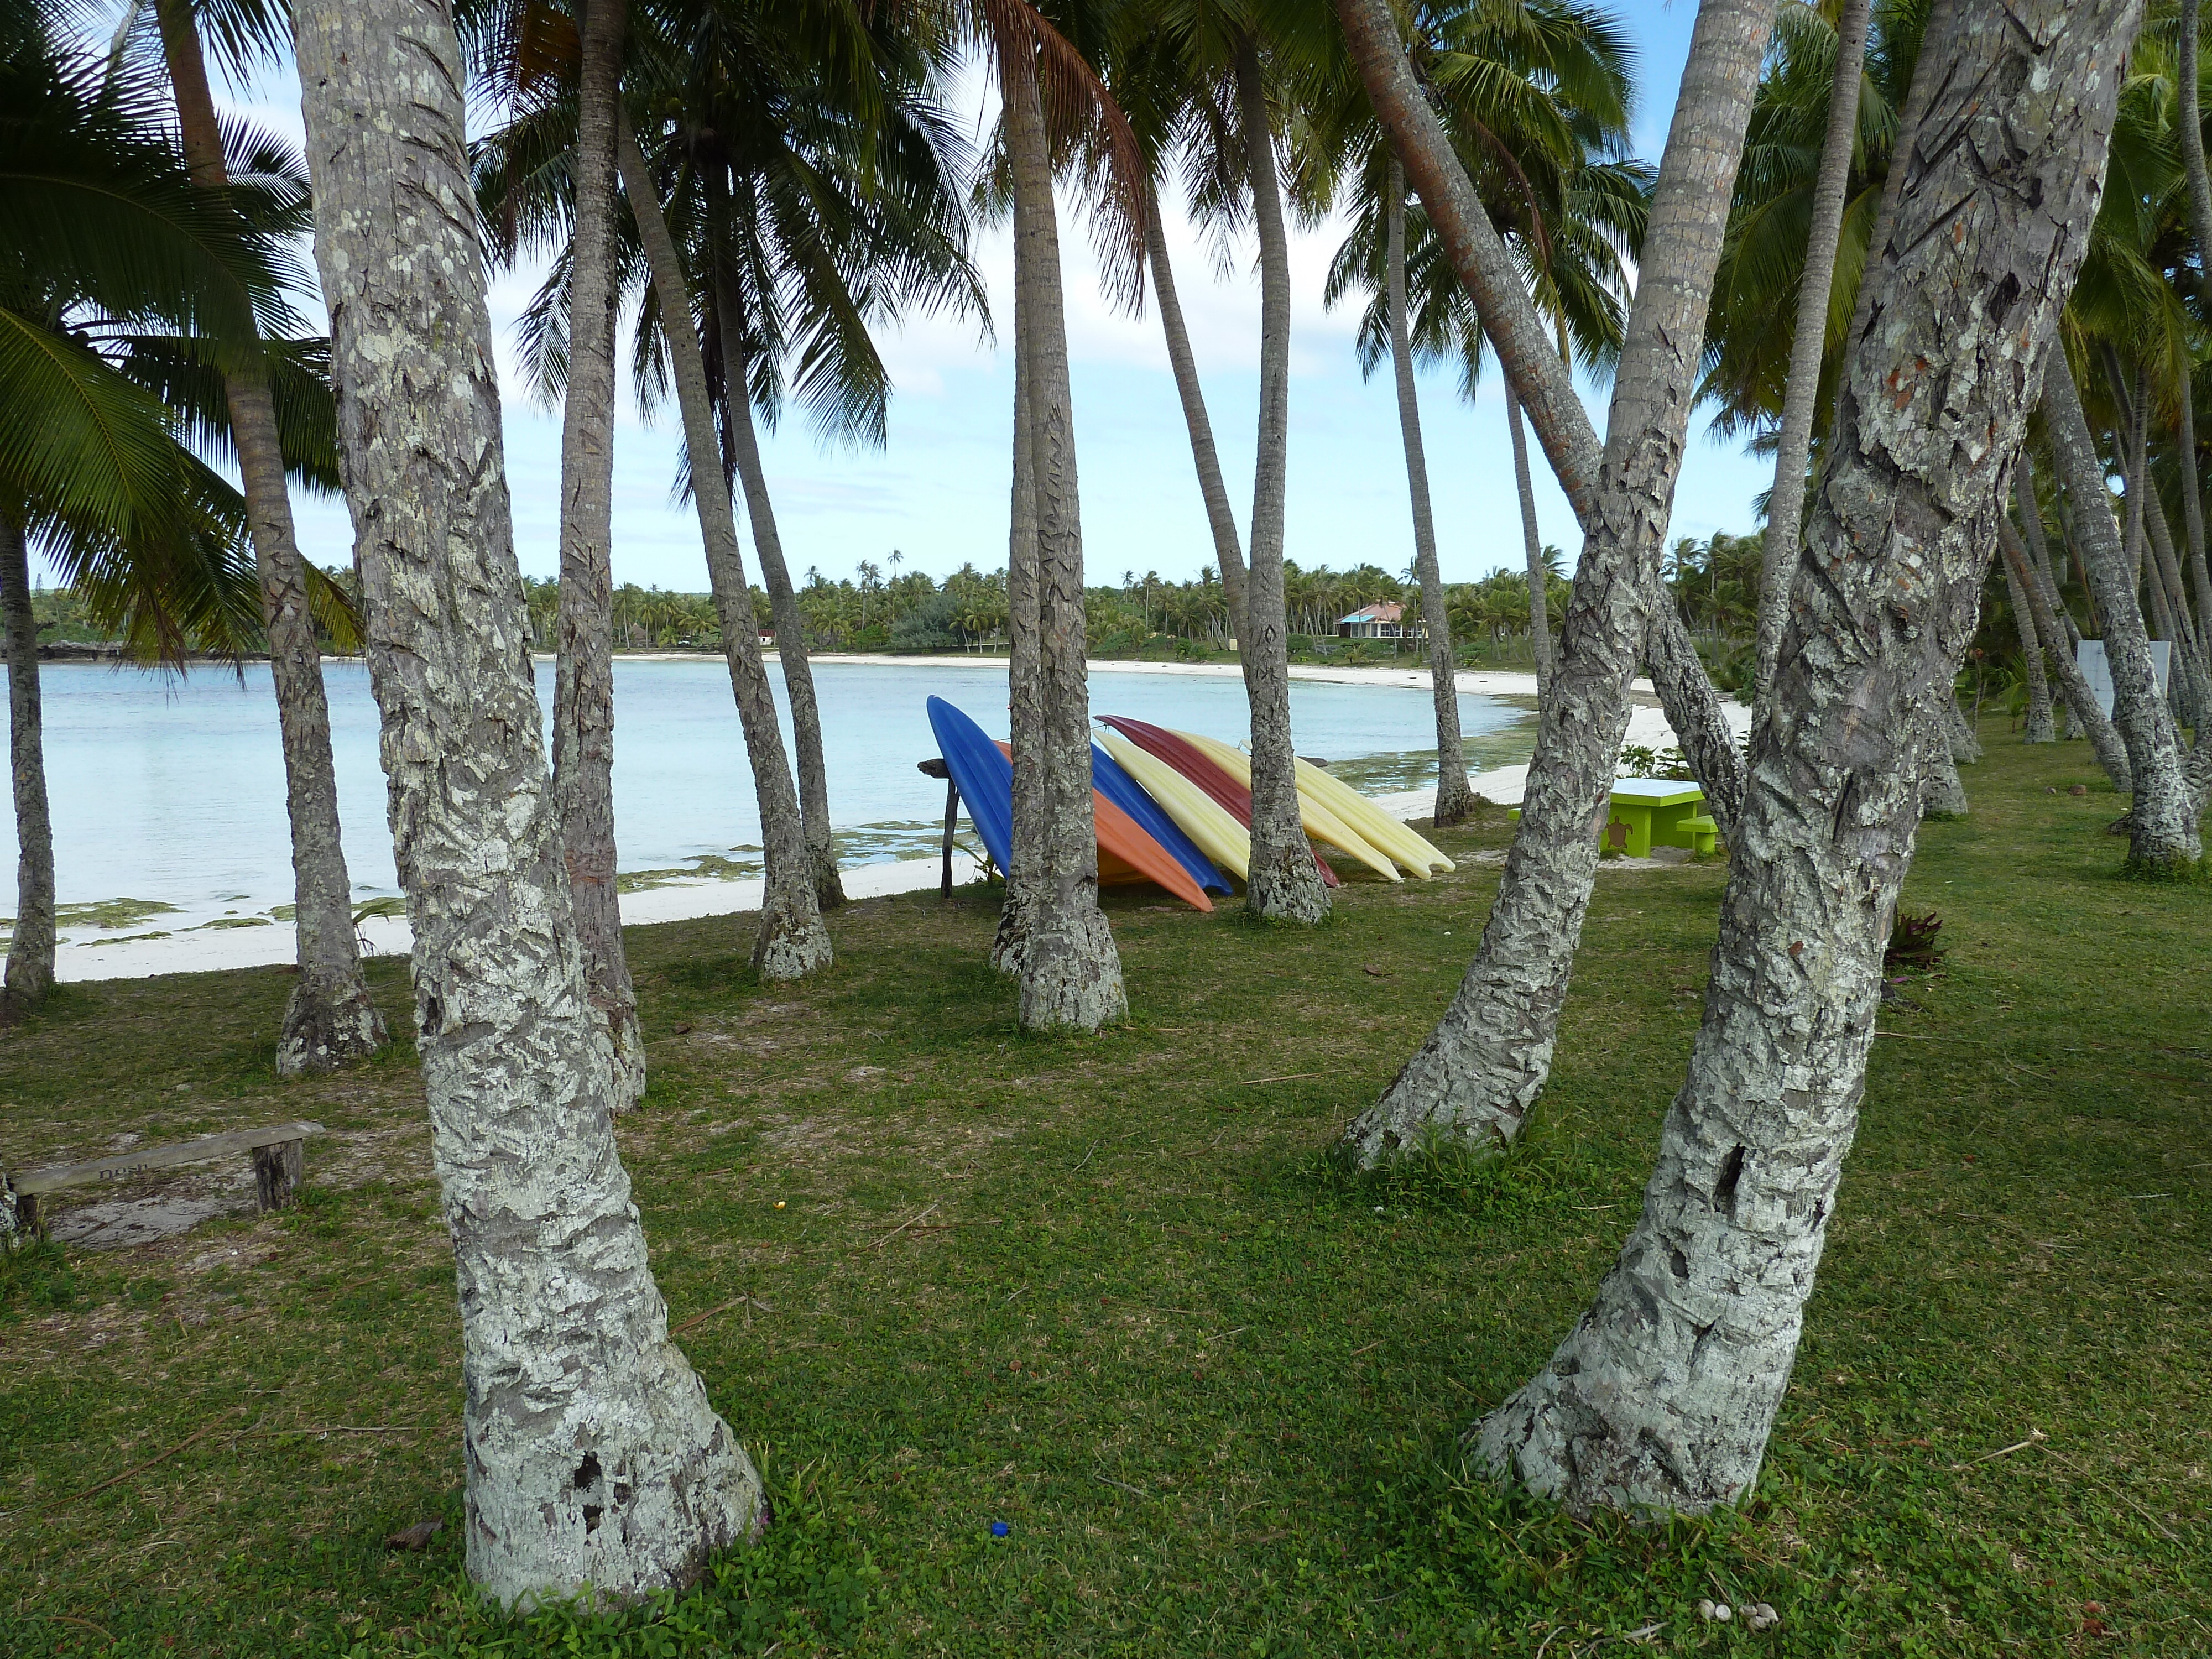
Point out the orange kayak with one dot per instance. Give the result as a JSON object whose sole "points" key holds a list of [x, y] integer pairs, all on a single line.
{"points": [[1127, 854]]}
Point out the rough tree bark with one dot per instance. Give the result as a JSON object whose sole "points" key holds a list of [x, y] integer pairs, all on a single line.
{"points": [[2189, 124], [792, 941], [583, 650], [1474, 1080], [2039, 728], [1227, 552], [2162, 836], [1693, 708], [783, 599], [1801, 392], [31, 950], [1454, 798], [2080, 701], [1532, 548], [1663, 1396], [1071, 972], [329, 1019], [592, 1456], [1284, 886], [1942, 794], [1024, 668]]}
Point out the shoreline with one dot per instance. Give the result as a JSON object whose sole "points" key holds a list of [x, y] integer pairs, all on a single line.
{"points": [[198, 950]]}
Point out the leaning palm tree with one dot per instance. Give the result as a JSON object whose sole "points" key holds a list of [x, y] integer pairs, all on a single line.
{"points": [[122, 282], [329, 1019]]}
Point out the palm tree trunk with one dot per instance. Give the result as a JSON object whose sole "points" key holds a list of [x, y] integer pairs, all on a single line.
{"points": [[2080, 701], [792, 941], [583, 673], [783, 602], [1454, 797], [1284, 886], [2193, 509], [1662, 1397], [1071, 972], [1801, 392], [1226, 552], [592, 1457], [1474, 1080], [30, 972], [329, 1019], [2038, 548], [2189, 124], [2162, 825], [2039, 728], [1941, 793], [1532, 547], [1024, 667]]}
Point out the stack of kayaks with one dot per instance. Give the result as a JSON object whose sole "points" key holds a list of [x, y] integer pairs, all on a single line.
{"points": [[1175, 809]]}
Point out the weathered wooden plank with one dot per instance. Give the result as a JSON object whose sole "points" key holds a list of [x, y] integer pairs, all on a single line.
{"points": [[55, 1177]]}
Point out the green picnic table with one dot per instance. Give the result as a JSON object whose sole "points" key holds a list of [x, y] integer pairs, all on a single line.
{"points": [[1657, 811]]}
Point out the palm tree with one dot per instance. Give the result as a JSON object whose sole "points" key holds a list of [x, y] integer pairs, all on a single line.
{"points": [[583, 672], [125, 283], [594, 1458], [1071, 975], [792, 940]]}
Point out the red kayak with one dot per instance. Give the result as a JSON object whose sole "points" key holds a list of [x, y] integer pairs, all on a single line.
{"points": [[1232, 797]]}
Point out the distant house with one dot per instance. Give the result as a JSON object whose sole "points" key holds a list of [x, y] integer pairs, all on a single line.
{"points": [[1386, 620]]}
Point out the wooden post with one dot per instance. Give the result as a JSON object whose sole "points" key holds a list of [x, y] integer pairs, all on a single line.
{"points": [[277, 1172], [951, 815], [937, 768]]}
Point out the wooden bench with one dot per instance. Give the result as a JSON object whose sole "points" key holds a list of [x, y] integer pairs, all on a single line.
{"points": [[279, 1154]]}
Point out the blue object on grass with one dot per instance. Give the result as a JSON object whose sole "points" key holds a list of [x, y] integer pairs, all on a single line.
{"points": [[984, 777], [1000, 1529], [1110, 779]]}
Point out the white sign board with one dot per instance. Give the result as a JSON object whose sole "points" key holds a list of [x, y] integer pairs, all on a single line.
{"points": [[2089, 658]]}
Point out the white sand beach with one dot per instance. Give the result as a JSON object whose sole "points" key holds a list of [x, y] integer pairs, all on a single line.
{"points": [[203, 950]]}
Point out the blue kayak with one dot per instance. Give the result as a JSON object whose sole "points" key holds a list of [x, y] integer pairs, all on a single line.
{"points": [[1110, 779], [984, 777]]}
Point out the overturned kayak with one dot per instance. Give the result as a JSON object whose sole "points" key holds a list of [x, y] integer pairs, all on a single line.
{"points": [[1111, 780], [983, 772], [1197, 814], [1321, 823], [1179, 752]]}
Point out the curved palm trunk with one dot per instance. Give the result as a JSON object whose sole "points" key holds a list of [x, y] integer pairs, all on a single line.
{"points": [[1482, 1068], [1454, 797], [584, 670], [592, 1456], [1024, 668], [792, 941], [1219, 516], [2162, 833], [1532, 548], [31, 951], [1285, 884], [1662, 1397], [1070, 972], [2039, 728], [1801, 393], [2073, 685], [329, 1019], [783, 604], [2192, 507], [2039, 550]]}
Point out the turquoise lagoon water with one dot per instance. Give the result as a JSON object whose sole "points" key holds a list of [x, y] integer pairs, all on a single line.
{"points": [[172, 791]]}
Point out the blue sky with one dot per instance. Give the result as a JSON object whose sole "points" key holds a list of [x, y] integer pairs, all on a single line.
{"points": [[937, 491]]}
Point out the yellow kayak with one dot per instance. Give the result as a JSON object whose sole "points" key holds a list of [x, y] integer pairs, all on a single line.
{"points": [[1321, 823], [1393, 836], [1194, 812]]}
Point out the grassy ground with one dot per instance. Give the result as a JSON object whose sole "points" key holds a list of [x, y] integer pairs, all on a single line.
{"points": [[1213, 1389]]}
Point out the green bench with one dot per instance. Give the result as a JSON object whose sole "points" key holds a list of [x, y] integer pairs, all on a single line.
{"points": [[1648, 812]]}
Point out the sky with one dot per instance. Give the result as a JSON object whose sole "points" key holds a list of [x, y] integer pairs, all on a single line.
{"points": [[936, 493]]}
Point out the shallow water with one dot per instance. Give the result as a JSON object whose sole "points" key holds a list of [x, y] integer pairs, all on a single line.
{"points": [[172, 792]]}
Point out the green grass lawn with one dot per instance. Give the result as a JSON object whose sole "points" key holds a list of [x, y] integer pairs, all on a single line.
{"points": [[1110, 1292]]}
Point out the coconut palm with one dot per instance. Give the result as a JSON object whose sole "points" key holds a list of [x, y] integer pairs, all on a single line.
{"points": [[124, 284], [329, 1019], [1537, 96]]}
